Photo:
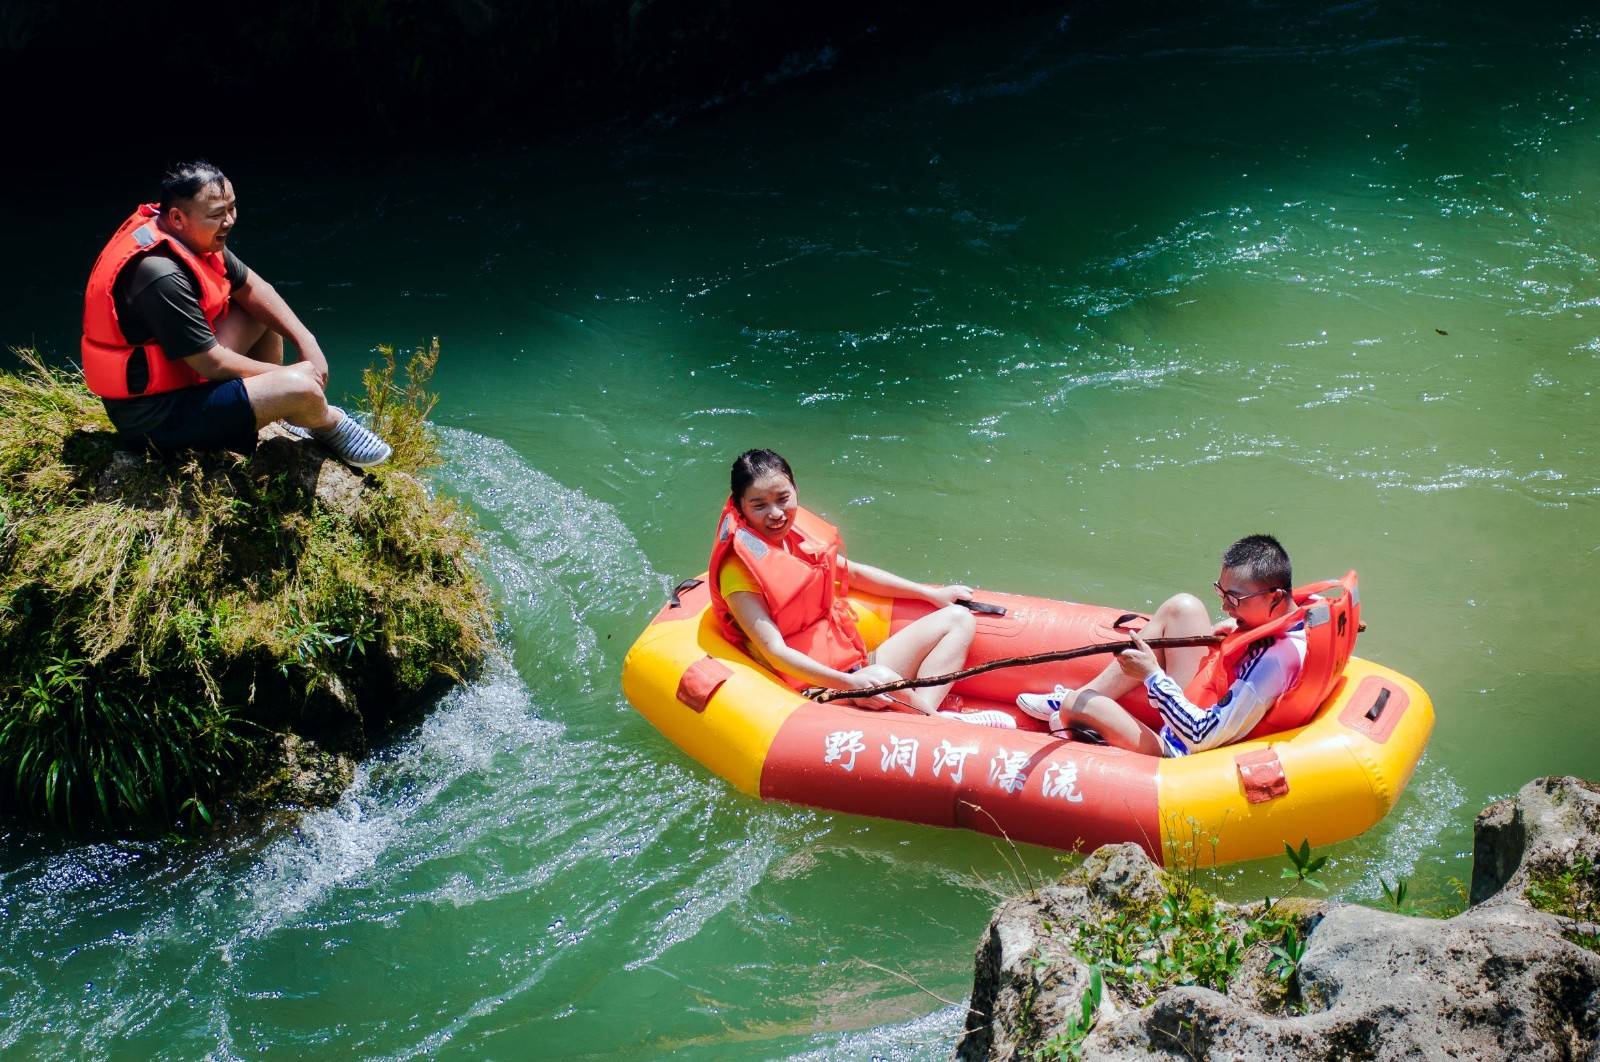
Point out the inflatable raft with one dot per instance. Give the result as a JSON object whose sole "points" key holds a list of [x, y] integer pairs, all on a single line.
{"points": [[1324, 781]]}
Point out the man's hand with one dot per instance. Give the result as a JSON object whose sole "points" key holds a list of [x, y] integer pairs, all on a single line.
{"points": [[1225, 626], [945, 596], [1139, 662], [306, 368], [262, 301], [311, 354]]}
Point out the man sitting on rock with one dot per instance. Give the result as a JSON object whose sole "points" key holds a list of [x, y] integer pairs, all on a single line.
{"points": [[184, 343]]}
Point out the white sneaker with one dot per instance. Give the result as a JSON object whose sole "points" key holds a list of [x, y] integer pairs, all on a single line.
{"points": [[991, 717], [1042, 705], [354, 444], [296, 430]]}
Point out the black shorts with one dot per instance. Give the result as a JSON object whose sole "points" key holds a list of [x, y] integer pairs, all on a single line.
{"points": [[213, 416]]}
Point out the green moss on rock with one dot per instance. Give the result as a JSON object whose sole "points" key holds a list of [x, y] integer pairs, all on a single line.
{"points": [[169, 620], [1570, 890]]}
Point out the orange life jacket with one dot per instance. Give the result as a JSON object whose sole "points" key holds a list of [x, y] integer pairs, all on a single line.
{"points": [[1331, 627], [106, 350], [797, 580]]}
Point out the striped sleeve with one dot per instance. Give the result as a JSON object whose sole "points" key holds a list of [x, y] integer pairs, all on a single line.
{"points": [[1265, 673]]}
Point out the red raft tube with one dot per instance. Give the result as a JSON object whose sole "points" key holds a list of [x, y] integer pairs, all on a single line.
{"points": [[1330, 776]]}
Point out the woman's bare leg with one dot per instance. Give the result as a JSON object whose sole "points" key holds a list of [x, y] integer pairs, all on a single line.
{"points": [[936, 644]]}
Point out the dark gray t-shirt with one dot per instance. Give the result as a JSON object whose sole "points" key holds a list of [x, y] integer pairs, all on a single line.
{"points": [[157, 301]]}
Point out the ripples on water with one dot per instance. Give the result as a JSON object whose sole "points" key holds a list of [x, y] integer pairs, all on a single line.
{"points": [[1320, 267], [491, 814]]}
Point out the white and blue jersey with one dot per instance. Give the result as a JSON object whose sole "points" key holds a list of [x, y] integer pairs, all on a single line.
{"points": [[1263, 674]]}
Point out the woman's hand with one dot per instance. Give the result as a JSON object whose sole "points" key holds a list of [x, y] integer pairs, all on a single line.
{"points": [[872, 675], [944, 596]]}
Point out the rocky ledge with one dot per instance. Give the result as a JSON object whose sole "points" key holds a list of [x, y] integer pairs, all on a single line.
{"points": [[206, 631], [1516, 974]]}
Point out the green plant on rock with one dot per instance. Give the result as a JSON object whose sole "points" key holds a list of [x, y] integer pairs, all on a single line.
{"points": [[1286, 954], [1302, 868], [1184, 938], [1187, 938], [1394, 896], [1067, 1041], [1572, 893], [72, 739], [399, 411]]}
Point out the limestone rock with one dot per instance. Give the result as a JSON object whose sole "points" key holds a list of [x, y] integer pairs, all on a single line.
{"points": [[1122, 874], [302, 774], [131, 477], [1382, 985], [1503, 979], [1551, 822], [1027, 979], [293, 608], [314, 471]]}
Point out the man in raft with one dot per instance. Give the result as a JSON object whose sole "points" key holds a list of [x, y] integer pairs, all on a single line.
{"points": [[1257, 663], [184, 343]]}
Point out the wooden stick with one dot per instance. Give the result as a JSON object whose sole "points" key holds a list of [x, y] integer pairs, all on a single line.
{"points": [[823, 696]]}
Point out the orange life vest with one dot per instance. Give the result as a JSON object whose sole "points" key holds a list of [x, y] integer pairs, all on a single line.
{"points": [[106, 350], [1331, 627], [797, 580]]}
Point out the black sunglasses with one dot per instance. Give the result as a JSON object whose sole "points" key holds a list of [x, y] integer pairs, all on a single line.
{"points": [[1234, 600]]}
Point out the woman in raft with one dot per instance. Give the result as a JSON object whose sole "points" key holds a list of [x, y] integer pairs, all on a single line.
{"points": [[778, 578]]}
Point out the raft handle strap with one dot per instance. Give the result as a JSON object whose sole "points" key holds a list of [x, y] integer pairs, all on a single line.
{"points": [[682, 588], [1379, 705]]}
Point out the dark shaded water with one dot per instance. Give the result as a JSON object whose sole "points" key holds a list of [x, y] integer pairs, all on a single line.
{"points": [[1062, 309]]}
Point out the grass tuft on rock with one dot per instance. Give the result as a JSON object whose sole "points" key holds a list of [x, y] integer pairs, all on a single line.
{"points": [[167, 621]]}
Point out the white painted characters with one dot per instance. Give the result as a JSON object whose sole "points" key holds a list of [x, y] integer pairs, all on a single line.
{"points": [[900, 752], [1061, 781], [1005, 769], [953, 757], [841, 743]]}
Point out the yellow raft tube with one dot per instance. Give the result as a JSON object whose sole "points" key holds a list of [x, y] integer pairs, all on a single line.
{"points": [[1323, 782]]}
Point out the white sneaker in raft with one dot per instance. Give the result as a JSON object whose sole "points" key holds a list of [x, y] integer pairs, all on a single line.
{"points": [[992, 717], [352, 443], [1043, 705]]}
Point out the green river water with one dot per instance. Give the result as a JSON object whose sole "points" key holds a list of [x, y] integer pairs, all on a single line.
{"points": [[1061, 307]]}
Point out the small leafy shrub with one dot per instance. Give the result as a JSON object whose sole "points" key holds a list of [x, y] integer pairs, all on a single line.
{"points": [[1303, 867], [73, 740], [399, 411], [1187, 938], [1394, 896]]}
